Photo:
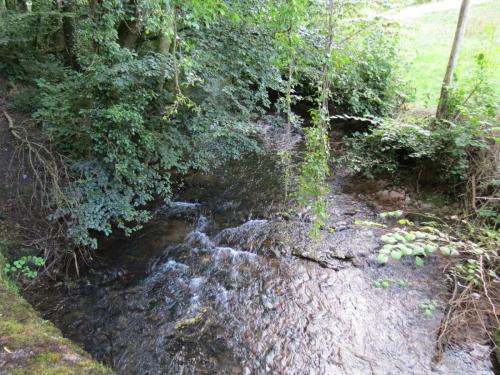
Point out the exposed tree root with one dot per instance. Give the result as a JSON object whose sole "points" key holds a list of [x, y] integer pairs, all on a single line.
{"points": [[40, 176], [473, 308]]}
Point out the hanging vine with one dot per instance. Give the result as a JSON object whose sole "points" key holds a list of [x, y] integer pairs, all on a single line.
{"points": [[313, 187], [288, 16]]}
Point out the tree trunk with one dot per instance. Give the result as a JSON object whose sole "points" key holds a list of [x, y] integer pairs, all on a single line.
{"points": [[163, 49], [68, 30], [93, 9], [23, 5], [3, 6], [443, 104], [128, 34], [129, 30]]}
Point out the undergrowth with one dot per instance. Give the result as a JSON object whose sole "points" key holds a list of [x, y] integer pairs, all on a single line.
{"points": [[471, 268]]}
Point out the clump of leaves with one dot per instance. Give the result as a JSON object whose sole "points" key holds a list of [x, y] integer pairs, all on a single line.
{"points": [[428, 308], [391, 214], [25, 266], [469, 271], [418, 243], [385, 283], [313, 187]]}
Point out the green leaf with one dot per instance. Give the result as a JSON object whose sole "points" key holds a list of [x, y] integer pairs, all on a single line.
{"points": [[396, 255], [445, 250], [406, 250], [386, 249], [406, 222], [419, 261], [409, 237], [388, 239], [382, 258], [430, 248]]}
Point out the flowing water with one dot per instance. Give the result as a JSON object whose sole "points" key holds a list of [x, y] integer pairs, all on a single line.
{"points": [[201, 291]]}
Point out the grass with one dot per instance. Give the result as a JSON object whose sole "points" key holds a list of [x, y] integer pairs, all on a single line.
{"points": [[427, 43]]}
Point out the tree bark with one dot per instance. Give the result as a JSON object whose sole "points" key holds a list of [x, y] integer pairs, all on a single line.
{"points": [[163, 49], [443, 104], [68, 30], [3, 6], [129, 30], [128, 34], [93, 8], [23, 5]]}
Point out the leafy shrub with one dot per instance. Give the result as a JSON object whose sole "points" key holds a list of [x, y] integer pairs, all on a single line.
{"points": [[365, 72], [472, 97], [428, 308], [417, 243], [387, 146], [397, 146], [125, 138], [364, 65], [453, 148]]}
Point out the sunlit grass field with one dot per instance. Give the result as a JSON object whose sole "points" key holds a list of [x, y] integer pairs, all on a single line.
{"points": [[427, 40]]}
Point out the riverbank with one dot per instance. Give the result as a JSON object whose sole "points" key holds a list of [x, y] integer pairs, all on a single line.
{"points": [[30, 345]]}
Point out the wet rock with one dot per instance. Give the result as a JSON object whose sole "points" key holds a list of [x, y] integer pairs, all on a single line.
{"points": [[199, 239], [390, 197], [250, 236], [350, 212], [178, 210]]}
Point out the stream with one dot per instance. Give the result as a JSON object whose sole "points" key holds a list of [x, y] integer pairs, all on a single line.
{"points": [[201, 290]]}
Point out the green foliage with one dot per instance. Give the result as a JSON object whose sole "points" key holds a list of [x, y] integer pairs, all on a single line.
{"points": [[5, 281], [387, 282], [365, 69], [428, 308], [313, 189], [25, 266], [128, 116], [391, 214], [418, 243], [388, 145], [409, 145], [480, 263], [473, 98], [132, 93], [490, 215], [469, 271], [451, 149]]}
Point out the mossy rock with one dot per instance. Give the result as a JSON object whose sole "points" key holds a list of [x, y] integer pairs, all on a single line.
{"points": [[188, 322]]}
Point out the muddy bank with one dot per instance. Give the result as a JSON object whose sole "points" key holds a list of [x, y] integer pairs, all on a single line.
{"points": [[228, 281]]}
